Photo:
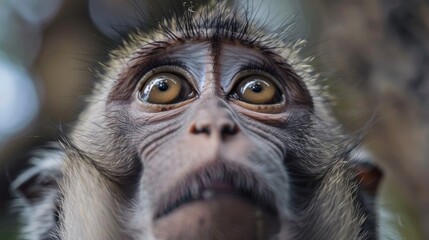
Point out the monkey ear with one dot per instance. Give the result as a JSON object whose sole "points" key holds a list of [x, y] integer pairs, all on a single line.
{"points": [[31, 186], [368, 174]]}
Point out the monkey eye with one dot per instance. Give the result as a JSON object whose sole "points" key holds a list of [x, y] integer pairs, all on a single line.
{"points": [[166, 88], [257, 90]]}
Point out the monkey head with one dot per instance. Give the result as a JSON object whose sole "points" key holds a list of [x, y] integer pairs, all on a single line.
{"points": [[210, 127]]}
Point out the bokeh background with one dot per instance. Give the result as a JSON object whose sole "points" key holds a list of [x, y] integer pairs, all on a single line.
{"points": [[375, 54]]}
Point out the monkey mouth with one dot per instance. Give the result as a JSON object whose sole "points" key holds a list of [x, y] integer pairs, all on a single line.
{"points": [[218, 181]]}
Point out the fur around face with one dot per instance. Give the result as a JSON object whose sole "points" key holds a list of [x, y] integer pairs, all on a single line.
{"points": [[95, 173]]}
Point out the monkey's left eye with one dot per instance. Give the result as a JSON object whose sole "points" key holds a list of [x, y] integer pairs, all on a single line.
{"points": [[258, 90], [166, 88]]}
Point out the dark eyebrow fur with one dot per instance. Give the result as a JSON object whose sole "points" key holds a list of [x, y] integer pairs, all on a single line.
{"points": [[259, 66]]}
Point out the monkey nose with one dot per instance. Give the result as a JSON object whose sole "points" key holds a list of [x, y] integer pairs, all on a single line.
{"points": [[222, 127]]}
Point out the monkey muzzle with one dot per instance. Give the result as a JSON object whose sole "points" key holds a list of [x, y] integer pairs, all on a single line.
{"points": [[206, 198]]}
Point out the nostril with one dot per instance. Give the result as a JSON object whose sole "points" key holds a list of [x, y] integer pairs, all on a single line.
{"points": [[223, 129], [229, 129], [200, 128]]}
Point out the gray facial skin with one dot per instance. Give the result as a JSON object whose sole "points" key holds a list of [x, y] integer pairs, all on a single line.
{"points": [[209, 128], [174, 146]]}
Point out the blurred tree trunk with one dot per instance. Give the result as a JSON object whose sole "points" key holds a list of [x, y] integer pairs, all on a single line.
{"points": [[381, 50]]}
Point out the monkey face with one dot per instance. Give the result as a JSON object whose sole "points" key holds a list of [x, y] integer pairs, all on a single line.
{"points": [[210, 126]]}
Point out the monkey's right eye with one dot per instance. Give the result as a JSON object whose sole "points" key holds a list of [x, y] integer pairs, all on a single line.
{"points": [[166, 88]]}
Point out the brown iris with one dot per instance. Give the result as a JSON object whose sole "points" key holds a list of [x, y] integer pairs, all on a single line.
{"points": [[257, 90], [166, 88]]}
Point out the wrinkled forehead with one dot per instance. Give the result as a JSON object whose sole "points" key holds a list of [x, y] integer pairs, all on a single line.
{"points": [[221, 61]]}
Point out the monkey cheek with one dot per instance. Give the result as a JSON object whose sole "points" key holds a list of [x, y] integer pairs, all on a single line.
{"points": [[222, 217]]}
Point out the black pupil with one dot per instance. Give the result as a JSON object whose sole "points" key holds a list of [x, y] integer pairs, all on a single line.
{"points": [[256, 87], [162, 86]]}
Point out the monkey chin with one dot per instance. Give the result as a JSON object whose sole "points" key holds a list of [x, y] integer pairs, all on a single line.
{"points": [[227, 216]]}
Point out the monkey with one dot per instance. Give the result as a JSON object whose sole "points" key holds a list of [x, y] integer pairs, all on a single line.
{"points": [[210, 127]]}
